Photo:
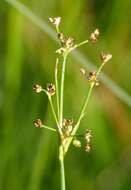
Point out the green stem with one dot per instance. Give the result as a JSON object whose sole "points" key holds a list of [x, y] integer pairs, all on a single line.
{"points": [[62, 90], [53, 111], [49, 128], [82, 43], [54, 114], [79, 119], [62, 169], [57, 89], [78, 45], [85, 103]]}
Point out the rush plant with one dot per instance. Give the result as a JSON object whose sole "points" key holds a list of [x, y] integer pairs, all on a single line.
{"points": [[66, 128]]}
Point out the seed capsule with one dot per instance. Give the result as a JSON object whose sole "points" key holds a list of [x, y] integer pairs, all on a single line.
{"points": [[88, 136], [94, 36], [87, 148], [67, 122], [67, 127], [69, 42], [37, 88], [51, 89], [105, 57], [92, 76], [38, 123], [83, 71], [62, 38], [55, 21], [76, 143]]}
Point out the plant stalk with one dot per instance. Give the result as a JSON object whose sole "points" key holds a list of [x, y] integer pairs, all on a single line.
{"points": [[62, 169], [55, 117], [57, 89], [62, 90]]}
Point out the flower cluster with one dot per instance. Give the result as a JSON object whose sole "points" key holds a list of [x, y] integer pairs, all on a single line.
{"points": [[88, 137], [38, 123], [51, 89], [66, 128], [37, 88], [91, 76], [94, 36], [105, 57]]}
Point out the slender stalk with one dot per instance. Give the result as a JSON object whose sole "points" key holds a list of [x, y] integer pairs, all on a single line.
{"points": [[62, 169], [57, 89], [79, 119], [54, 114], [62, 90], [49, 128], [82, 43], [53, 111], [83, 109], [87, 100]]}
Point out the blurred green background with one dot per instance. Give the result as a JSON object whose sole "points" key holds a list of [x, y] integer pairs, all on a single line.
{"points": [[28, 156]]}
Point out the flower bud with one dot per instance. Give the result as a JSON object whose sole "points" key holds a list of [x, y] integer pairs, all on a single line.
{"points": [[51, 89], [69, 42], [94, 36], [76, 143], [37, 88], [88, 136], [67, 127], [105, 57], [87, 148], [55, 21], [38, 123], [62, 38], [83, 71]]}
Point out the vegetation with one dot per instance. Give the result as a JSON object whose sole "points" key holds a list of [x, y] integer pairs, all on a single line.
{"points": [[28, 157]]}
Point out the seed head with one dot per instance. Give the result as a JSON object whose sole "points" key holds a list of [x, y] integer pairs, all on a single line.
{"points": [[66, 42], [38, 123], [87, 148], [105, 57], [69, 42], [67, 122], [76, 143], [55, 21], [51, 89], [83, 71], [67, 127], [88, 136], [94, 36], [62, 38], [37, 88], [92, 76]]}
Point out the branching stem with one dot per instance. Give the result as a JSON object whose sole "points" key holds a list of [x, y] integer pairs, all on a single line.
{"points": [[82, 111], [62, 89]]}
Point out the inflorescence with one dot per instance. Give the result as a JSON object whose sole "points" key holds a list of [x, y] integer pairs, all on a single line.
{"points": [[67, 128]]}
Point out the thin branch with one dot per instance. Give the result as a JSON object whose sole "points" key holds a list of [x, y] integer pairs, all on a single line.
{"points": [[57, 87], [53, 111], [54, 114], [49, 128], [62, 89]]}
